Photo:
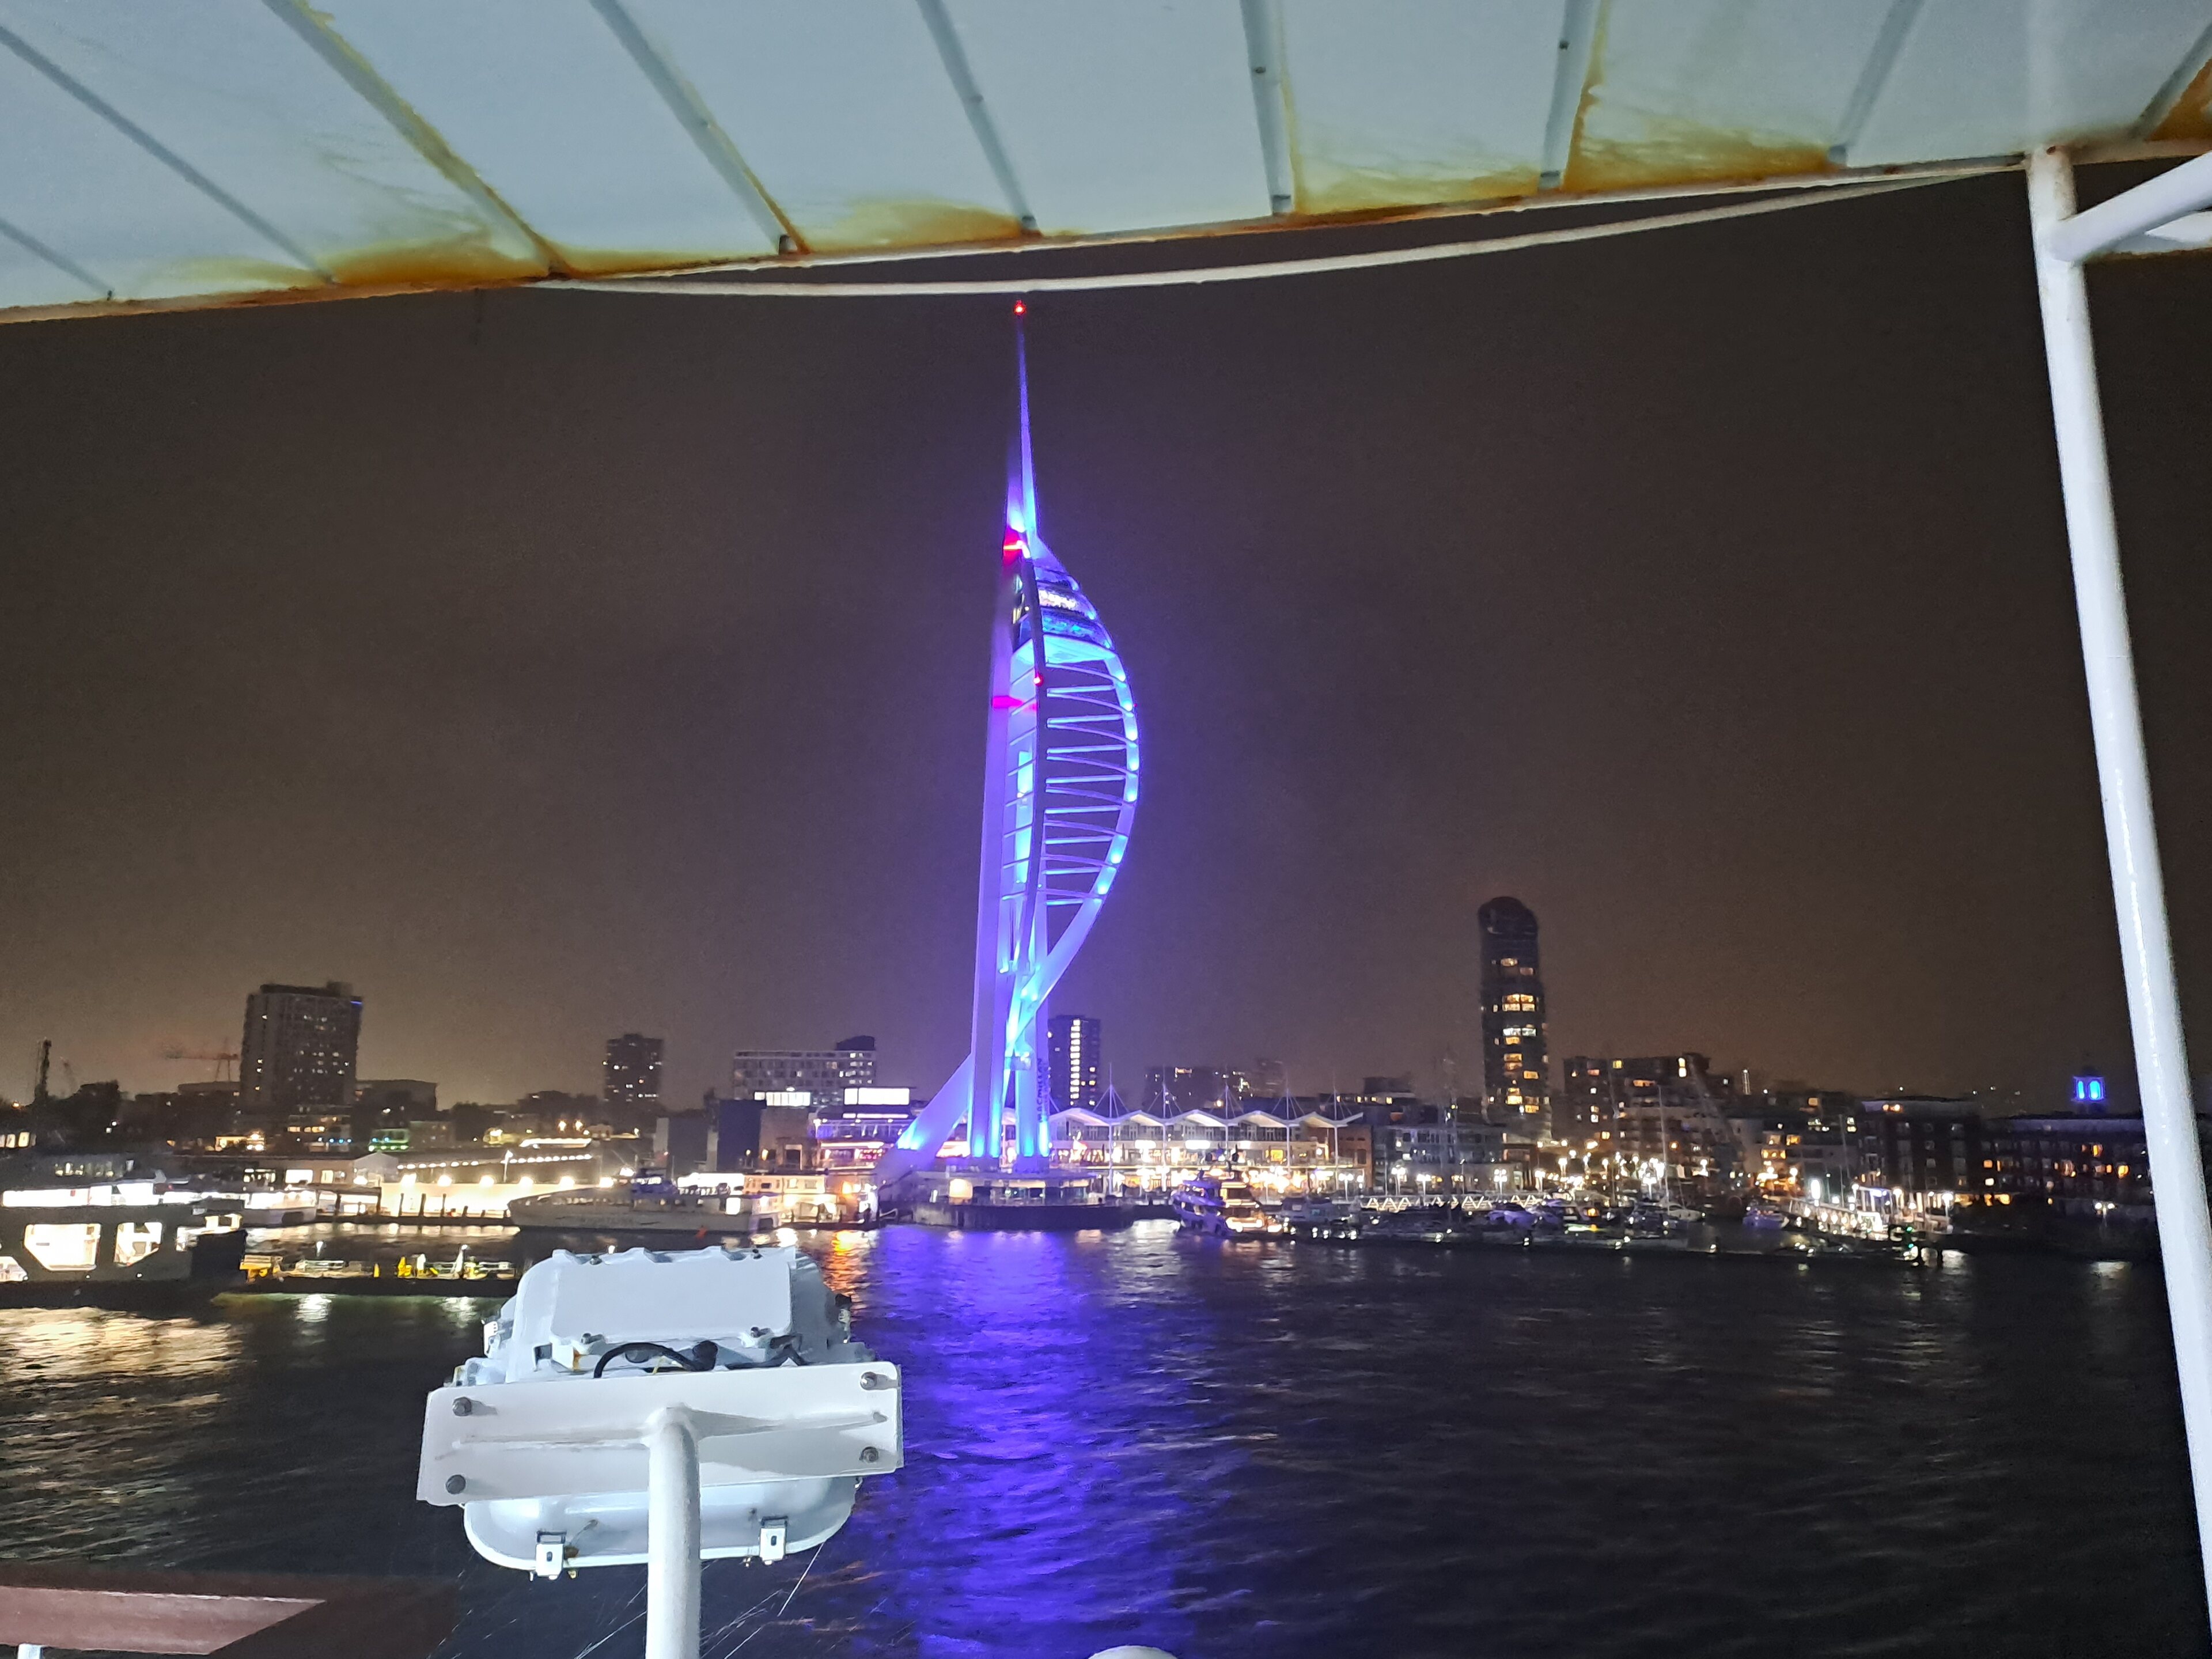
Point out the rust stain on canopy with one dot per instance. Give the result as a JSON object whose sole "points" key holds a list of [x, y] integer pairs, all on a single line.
{"points": [[254, 154], [1679, 154], [2191, 117]]}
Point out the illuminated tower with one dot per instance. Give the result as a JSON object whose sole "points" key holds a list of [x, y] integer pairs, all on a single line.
{"points": [[1060, 792]]}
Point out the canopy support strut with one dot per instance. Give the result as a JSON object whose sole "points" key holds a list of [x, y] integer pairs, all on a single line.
{"points": [[2131, 834], [671, 1537]]}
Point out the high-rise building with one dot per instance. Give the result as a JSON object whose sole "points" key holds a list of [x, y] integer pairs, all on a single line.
{"points": [[1516, 1061], [630, 1080], [295, 1066], [1078, 1066]]}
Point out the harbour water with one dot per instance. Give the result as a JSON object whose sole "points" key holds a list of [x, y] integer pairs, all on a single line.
{"points": [[1252, 1450]]}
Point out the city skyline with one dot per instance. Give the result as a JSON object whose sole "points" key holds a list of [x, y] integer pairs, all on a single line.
{"points": [[1776, 805]]}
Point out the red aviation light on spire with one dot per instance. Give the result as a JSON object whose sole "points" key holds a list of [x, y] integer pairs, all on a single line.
{"points": [[1016, 544]]}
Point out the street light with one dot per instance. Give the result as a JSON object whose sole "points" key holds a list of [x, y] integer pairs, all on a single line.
{"points": [[613, 1388]]}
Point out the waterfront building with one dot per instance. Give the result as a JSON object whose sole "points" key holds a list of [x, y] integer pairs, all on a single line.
{"points": [[2084, 1166], [1517, 1062], [1791, 1141], [462, 1181], [1060, 799], [1285, 1145], [1442, 1159], [1649, 1119], [1078, 1068], [1923, 1152], [1268, 1079], [848, 1139], [629, 1085], [296, 1061], [820, 1074]]}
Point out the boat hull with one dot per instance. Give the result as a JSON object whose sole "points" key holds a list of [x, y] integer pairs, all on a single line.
{"points": [[547, 1215], [1024, 1218]]}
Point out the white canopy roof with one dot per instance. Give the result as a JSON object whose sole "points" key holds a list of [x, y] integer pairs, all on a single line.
{"points": [[235, 150]]}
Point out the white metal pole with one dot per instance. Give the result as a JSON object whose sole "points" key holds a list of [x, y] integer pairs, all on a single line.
{"points": [[671, 1559], [2130, 835]]}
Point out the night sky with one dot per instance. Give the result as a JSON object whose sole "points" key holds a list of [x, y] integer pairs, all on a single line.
{"points": [[551, 666]]}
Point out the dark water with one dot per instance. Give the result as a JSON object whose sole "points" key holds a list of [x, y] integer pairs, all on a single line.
{"points": [[1242, 1450]]}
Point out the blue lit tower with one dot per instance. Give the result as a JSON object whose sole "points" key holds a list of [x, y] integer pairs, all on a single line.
{"points": [[1059, 792]]}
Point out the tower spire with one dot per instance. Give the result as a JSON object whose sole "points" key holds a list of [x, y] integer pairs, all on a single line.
{"points": [[1021, 488]]}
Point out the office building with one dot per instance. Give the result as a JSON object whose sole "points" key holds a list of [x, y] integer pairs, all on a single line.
{"points": [[856, 1064], [1078, 1073], [296, 1060], [630, 1079], [1516, 1059], [817, 1073]]}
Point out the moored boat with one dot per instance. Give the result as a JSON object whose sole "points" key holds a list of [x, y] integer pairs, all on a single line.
{"points": [[93, 1228], [647, 1204], [1220, 1205]]}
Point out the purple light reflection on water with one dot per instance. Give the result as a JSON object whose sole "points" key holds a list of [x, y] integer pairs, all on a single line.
{"points": [[1254, 1451], [1042, 1404]]}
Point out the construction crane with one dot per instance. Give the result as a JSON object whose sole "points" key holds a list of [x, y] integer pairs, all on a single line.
{"points": [[224, 1059]]}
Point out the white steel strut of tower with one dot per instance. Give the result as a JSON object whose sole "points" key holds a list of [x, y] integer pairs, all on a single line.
{"points": [[1060, 795]]}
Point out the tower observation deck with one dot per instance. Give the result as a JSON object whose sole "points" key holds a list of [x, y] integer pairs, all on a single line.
{"points": [[1060, 794]]}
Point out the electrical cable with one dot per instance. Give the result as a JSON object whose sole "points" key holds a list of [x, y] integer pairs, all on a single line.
{"points": [[700, 1358]]}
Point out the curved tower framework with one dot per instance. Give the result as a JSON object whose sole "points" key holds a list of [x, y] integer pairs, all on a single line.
{"points": [[1059, 792]]}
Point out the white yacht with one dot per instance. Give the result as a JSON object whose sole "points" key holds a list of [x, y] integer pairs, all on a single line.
{"points": [[1219, 1205]]}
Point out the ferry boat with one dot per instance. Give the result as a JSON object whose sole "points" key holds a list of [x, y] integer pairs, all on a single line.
{"points": [[1219, 1205], [95, 1228]]}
